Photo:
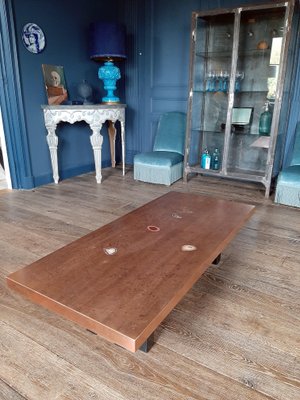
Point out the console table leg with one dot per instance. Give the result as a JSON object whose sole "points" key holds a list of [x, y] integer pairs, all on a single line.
{"points": [[96, 141], [112, 141], [123, 144], [217, 260], [52, 141], [146, 346]]}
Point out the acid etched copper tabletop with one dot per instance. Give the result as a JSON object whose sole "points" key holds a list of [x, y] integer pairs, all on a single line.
{"points": [[121, 280]]}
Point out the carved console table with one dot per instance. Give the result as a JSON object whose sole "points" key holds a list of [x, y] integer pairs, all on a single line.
{"points": [[95, 116]]}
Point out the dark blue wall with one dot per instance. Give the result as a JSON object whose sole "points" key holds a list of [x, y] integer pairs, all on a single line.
{"points": [[155, 73]]}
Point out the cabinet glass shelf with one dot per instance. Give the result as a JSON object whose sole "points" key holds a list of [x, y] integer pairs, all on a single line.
{"points": [[237, 173], [197, 169], [240, 92], [255, 175], [244, 53]]}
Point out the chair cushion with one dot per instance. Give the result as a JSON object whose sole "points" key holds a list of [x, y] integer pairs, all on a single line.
{"points": [[158, 158], [290, 176]]}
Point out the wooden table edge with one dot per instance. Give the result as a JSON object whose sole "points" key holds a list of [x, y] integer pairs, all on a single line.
{"points": [[68, 313]]}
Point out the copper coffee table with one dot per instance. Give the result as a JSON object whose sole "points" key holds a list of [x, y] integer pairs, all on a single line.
{"points": [[122, 280]]}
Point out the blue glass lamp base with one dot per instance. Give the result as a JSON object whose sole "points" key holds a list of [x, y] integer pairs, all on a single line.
{"points": [[113, 99], [109, 74]]}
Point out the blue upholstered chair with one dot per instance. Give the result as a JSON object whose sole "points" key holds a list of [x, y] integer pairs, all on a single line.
{"points": [[165, 163], [288, 183]]}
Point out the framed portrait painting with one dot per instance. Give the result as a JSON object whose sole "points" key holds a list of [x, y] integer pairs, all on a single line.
{"points": [[55, 84]]}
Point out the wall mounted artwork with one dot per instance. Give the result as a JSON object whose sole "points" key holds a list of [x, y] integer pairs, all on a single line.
{"points": [[33, 38]]}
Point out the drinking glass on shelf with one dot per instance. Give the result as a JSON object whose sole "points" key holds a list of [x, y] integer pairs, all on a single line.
{"points": [[239, 77], [221, 80], [214, 81], [225, 81], [208, 82], [211, 81]]}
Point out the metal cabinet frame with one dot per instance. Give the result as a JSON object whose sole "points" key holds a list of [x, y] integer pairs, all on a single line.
{"points": [[266, 180]]}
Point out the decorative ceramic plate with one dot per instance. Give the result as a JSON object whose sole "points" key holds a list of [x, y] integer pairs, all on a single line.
{"points": [[33, 38]]}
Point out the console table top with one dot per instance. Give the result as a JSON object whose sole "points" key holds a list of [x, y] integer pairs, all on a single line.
{"points": [[82, 106]]}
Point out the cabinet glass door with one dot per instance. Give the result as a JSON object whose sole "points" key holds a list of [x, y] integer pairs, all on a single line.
{"points": [[256, 78], [211, 67]]}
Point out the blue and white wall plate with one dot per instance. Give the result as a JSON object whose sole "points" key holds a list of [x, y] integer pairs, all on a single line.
{"points": [[33, 38]]}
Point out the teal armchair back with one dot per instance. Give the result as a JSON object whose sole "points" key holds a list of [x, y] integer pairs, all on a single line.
{"points": [[170, 135]]}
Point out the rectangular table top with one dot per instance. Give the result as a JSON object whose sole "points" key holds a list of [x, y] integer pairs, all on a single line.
{"points": [[121, 280]]}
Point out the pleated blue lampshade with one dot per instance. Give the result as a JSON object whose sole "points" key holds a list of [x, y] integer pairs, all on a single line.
{"points": [[107, 41]]}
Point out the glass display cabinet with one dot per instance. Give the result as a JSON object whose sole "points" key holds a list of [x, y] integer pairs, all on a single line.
{"points": [[237, 69]]}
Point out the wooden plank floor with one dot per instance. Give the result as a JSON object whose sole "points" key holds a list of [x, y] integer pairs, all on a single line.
{"points": [[234, 336]]}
